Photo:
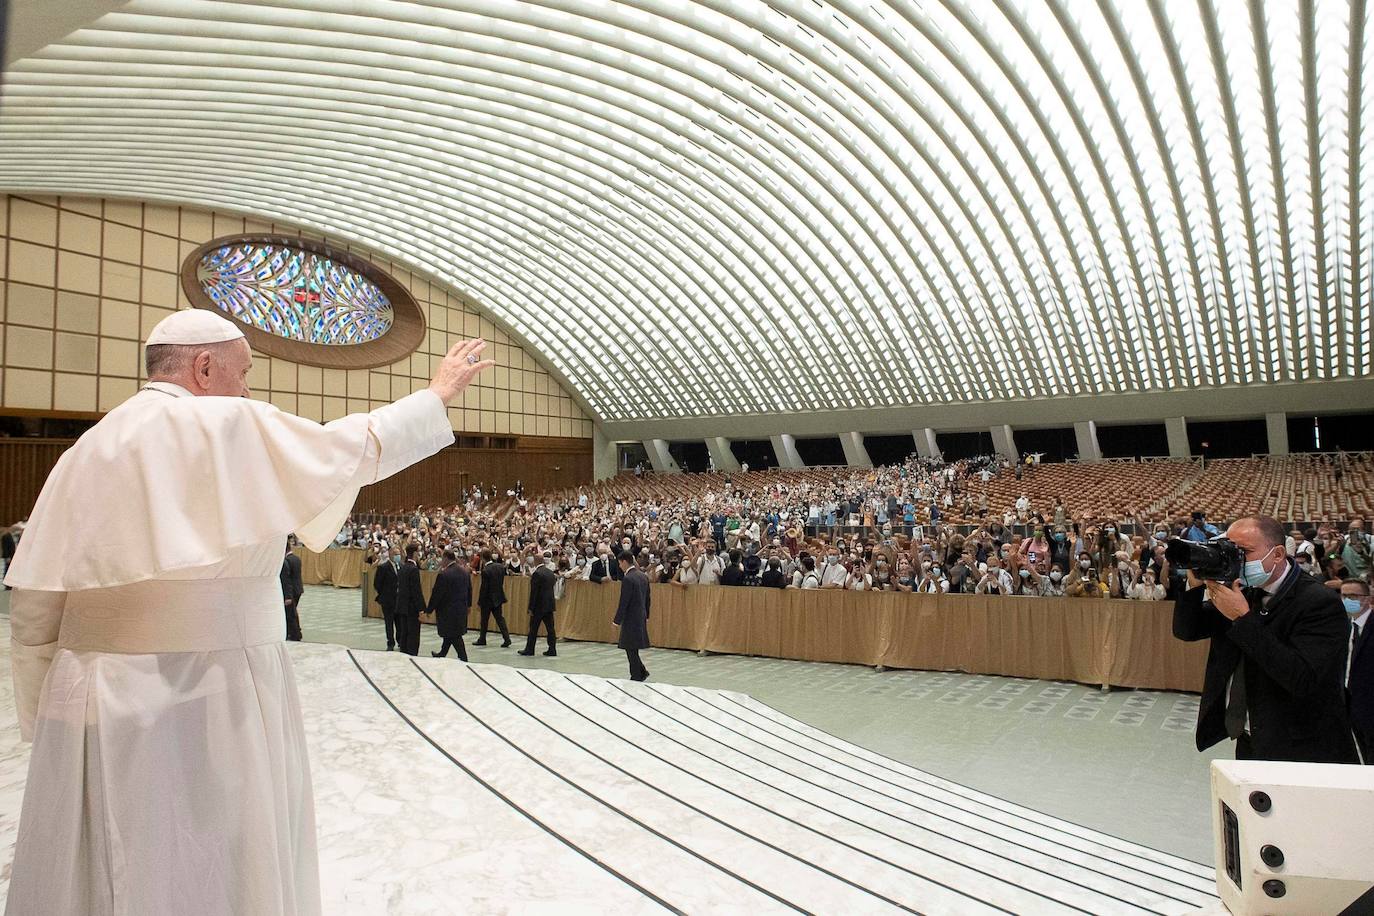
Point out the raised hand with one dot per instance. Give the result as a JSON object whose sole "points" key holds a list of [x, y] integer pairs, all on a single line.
{"points": [[459, 367]]}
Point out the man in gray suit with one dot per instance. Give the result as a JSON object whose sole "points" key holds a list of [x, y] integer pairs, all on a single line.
{"points": [[542, 583], [632, 616]]}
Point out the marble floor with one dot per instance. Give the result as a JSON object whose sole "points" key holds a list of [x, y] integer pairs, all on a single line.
{"points": [[1121, 761], [489, 788]]}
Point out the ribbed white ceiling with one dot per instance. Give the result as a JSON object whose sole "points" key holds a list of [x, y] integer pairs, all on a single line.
{"points": [[712, 208]]}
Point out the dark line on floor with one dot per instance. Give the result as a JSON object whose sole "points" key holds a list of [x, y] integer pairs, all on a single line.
{"points": [[601, 801], [494, 791], [1155, 892], [866, 826], [919, 781], [892, 760]]}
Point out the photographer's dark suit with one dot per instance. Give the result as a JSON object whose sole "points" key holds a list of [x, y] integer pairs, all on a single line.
{"points": [[384, 584], [542, 583], [1294, 654], [410, 602], [490, 597], [1361, 691]]}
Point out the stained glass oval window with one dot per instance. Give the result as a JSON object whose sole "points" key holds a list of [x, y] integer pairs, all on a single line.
{"points": [[293, 293], [305, 300]]}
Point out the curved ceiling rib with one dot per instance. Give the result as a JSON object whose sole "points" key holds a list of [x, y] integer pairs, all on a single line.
{"points": [[716, 208]]}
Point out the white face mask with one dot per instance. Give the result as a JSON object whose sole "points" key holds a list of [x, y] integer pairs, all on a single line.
{"points": [[1084, 564], [1056, 575]]}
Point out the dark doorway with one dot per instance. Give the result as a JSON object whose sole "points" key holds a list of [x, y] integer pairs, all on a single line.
{"points": [[1349, 432], [1227, 438], [1142, 440], [757, 453], [816, 452], [1054, 444], [890, 449], [692, 456], [964, 445]]}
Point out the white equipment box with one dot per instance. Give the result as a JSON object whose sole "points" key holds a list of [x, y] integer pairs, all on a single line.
{"points": [[1293, 838]]}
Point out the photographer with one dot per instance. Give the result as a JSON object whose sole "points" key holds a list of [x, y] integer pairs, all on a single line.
{"points": [[1275, 668]]}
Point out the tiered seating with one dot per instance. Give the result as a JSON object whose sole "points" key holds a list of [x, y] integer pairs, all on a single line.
{"points": [[1296, 488], [1108, 490]]}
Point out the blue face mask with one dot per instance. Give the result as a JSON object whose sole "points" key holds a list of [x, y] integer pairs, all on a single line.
{"points": [[1059, 536], [1352, 605], [1254, 574]]}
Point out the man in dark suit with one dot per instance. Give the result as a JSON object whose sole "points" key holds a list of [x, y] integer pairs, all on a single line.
{"points": [[291, 591], [410, 601], [491, 596], [632, 615], [604, 567], [1359, 685], [542, 583], [1276, 665], [449, 602], [384, 584]]}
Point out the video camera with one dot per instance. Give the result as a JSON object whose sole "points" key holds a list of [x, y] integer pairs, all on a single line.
{"points": [[1218, 559]]}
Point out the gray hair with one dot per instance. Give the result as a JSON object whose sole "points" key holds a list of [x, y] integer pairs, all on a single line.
{"points": [[172, 360]]}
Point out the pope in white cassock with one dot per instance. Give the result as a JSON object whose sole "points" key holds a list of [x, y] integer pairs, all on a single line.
{"points": [[169, 772]]}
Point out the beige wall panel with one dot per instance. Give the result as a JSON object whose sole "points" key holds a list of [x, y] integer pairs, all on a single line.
{"points": [[83, 281]]}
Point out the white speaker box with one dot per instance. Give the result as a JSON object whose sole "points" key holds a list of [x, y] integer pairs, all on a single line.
{"points": [[1293, 838]]}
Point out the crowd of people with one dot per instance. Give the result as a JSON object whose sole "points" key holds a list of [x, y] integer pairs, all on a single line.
{"points": [[859, 529]]}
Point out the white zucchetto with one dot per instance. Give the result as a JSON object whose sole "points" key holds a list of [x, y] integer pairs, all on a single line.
{"points": [[193, 326]]}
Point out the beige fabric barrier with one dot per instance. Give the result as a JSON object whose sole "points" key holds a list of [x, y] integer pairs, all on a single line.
{"points": [[1092, 641], [341, 567]]}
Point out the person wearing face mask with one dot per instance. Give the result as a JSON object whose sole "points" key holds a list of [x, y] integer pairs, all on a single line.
{"points": [[806, 577], [710, 565], [934, 581], [882, 576], [1147, 589], [604, 567], [994, 580], [833, 574], [906, 580], [859, 578], [1024, 583], [1276, 664], [1085, 584], [1052, 583], [1359, 681], [1301, 549]]}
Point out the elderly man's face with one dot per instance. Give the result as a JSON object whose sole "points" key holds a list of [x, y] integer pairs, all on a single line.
{"points": [[223, 371]]}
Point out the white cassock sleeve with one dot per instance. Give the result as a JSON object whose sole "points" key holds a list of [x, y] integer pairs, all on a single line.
{"points": [[399, 435], [35, 619]]}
